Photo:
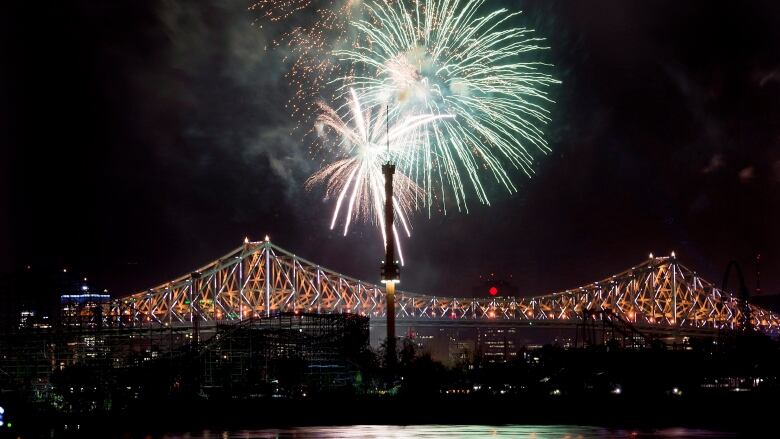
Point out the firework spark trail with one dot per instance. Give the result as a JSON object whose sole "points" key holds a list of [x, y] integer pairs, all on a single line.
{"points": [[424, 60], [316, 29], [442, 57], [367, 142], [277, 10]]}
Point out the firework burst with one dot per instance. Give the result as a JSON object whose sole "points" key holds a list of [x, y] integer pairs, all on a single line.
{"points": [[442, 57], [356, 180]]}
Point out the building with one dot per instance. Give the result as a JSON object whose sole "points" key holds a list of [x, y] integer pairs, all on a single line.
{"points": [[84, 309], [30, 319], [498, 345], [287, 354]]}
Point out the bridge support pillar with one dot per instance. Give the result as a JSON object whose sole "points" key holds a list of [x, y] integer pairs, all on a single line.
{"points": [[390, 300], [391, 272]]}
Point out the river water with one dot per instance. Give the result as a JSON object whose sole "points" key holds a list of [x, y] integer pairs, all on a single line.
{"points": [[455, 432]]}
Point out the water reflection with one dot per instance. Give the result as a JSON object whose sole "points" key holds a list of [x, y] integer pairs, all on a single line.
{"points": [[455, 432]]}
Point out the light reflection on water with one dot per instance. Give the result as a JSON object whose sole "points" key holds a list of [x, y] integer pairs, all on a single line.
{"points": [[455, 432]]}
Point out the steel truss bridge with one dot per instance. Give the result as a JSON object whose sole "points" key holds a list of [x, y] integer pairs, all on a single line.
{"points": [[260, 279]]}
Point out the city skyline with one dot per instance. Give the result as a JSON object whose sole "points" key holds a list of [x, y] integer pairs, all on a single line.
{"points": [[389, 218]]}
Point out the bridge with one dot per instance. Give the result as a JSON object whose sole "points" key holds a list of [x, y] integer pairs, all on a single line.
{"points": [[259, 279]]}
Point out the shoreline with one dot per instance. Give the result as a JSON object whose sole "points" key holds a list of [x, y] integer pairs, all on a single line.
{"points": [[738, 413]]}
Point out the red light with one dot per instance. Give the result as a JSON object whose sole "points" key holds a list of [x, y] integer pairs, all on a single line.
{"points": [[493, 291]]}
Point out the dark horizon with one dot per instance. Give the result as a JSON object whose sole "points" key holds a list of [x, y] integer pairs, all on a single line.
{"points": [[143, 140]]}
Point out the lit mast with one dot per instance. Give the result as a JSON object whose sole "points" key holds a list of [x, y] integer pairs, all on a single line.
{"points": [[391, 272]]}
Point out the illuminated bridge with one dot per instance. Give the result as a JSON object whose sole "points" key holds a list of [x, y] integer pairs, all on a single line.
{"points": [[259, 279]]}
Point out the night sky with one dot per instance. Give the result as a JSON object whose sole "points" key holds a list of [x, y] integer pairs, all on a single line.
{"points": [[142, 139]]}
